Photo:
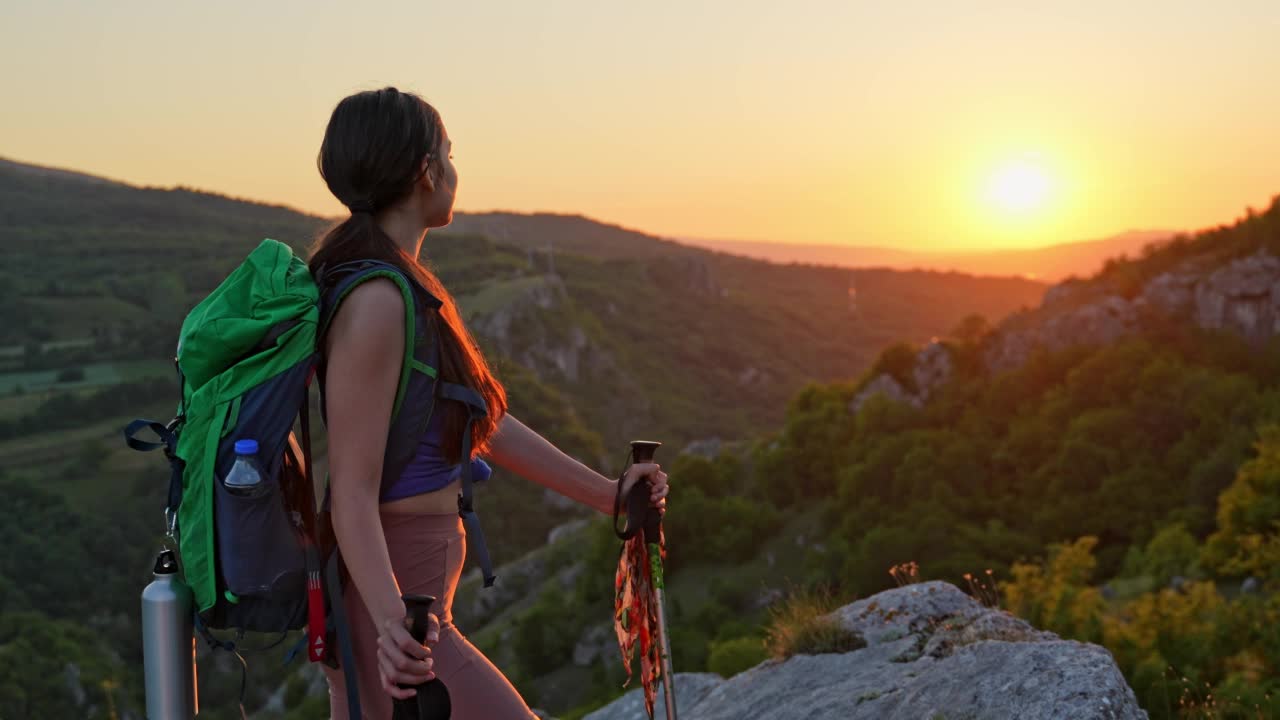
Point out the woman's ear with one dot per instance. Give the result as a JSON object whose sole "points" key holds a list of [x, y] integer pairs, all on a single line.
{"points": [[425, 171]]}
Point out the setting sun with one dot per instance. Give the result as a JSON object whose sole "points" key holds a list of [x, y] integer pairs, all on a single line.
{"points": [[1020, 187]]}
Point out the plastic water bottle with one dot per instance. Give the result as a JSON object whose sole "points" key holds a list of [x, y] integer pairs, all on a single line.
{"points": [[168, 644], [245, 478]]}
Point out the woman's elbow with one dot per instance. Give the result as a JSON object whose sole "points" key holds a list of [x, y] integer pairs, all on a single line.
{"points": [[353, 502]]}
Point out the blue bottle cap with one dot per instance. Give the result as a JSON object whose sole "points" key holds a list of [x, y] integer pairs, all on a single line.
{"points": [[246, 447]]}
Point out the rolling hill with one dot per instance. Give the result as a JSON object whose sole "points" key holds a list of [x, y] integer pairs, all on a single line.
{"points": [[102, 271]]}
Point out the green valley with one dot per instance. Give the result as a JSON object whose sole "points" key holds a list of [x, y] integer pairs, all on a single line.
{"points": [[618, 335]]}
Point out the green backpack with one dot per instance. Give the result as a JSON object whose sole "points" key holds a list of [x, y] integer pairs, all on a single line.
{"points": [[246, 357]]}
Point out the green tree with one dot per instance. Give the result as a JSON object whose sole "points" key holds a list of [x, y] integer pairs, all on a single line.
{"points": [[1056, 594], [1247, 540], [1173, 551], [1164, 629], [971, 330], [51, 669]]}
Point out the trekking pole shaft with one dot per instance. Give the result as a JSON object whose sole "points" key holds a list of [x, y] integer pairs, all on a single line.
{"points": [[668, 678]]}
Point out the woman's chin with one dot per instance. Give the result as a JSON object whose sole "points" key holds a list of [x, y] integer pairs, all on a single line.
{"points": [[441, 222]]}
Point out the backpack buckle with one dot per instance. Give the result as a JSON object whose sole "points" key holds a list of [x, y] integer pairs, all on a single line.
{"points": [[171, 440]]}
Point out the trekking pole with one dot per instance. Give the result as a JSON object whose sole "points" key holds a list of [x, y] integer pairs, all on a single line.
{"points": [[432, 701], [642, 515]]}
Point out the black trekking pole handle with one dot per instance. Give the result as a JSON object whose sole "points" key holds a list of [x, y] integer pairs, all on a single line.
{"points": [[419, 610], [641, 516], [432, 701]]}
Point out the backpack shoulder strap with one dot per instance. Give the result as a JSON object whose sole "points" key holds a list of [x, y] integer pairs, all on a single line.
{"points": [[476, 409], [338, 282]]}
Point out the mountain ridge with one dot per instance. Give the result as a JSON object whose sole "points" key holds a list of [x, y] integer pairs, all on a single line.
{"points": [[1037, 263], [1050, 262]]}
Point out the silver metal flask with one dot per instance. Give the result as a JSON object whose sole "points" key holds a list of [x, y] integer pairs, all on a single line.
{"points": [[168, 644]]}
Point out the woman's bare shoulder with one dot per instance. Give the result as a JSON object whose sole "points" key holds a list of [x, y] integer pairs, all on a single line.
{"points": [[372, 313]]}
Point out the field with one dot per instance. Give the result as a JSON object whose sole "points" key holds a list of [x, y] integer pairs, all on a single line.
{"points": [[46, 382]]}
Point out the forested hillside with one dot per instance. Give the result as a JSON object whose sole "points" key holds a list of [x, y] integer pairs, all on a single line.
{"points": [[1107, 466]]}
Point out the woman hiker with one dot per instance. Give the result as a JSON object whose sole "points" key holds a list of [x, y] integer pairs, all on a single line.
{"points": [[386, 156]]}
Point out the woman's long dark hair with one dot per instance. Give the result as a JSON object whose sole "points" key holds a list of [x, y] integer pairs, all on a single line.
{"points": [[373, 148]]}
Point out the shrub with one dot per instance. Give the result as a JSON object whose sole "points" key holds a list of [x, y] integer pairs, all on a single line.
{"points": [[1247, 540], [731, 657], [689, 647], [717, 529], [545, 633], [801, 625], [898, 361], [1168, 628], [1171, 552], [1056, 595]]}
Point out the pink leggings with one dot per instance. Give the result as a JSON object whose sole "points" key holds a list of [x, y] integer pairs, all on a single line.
{"points": [[427, 551]]}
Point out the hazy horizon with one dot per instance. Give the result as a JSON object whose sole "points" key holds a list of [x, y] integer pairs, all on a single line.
{"points": [[915, 127], [726, 244]]}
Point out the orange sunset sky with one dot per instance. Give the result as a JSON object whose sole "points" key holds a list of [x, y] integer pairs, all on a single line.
{"points": [[918, 125]]}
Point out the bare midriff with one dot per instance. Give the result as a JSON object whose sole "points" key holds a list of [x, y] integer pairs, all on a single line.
{"points": [[444, 500]]}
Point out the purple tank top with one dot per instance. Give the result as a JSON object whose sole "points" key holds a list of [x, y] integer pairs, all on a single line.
{"points": [[428, 470]]}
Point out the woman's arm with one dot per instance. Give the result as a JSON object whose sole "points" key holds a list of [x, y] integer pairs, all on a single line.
{"points": [[364, 352], [522, 451]]}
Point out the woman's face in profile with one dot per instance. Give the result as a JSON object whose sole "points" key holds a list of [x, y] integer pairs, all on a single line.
{"points": [[445, 179]]}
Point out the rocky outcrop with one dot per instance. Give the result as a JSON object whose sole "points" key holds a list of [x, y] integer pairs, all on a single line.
{"points": [[514, 315], [708, 448], [886, 386], [543, 292], [564, 530], [474, 606], [1241, 296], [1096, 323], [932, 369], [932, 652], [596, 643], [516, 581], [688, 272], [691, 688]]}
